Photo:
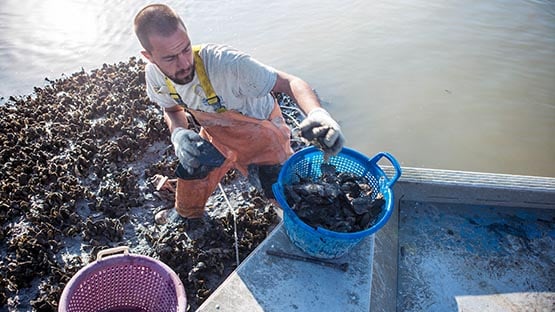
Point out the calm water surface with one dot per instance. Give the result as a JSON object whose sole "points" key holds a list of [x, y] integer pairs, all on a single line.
{"points": [[464, 85]]}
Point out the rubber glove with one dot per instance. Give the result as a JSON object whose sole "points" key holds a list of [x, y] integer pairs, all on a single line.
{"points": [[320, 128], [186, 143]]}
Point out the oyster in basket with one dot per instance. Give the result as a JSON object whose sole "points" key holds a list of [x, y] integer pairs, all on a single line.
{"points": [[336, 201]]}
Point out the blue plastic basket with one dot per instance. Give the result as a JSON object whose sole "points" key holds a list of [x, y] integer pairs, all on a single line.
{"points": [[320, 242]]}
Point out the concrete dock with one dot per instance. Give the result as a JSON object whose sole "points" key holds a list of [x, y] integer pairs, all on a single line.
{"points": [[458, 241], [266, 282]]}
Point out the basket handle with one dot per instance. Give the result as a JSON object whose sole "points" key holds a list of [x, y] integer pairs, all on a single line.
{"points": [[111, 251], [393, 161]]}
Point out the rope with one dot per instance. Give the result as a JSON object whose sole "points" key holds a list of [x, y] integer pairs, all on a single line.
{"points": [[234, 224]]}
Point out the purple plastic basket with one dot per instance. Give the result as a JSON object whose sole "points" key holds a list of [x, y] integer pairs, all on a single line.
{"points": [[124, 282]]}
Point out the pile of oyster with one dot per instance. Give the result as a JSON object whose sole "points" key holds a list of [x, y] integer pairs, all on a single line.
{"points": [[336, 201], [77, 159]]}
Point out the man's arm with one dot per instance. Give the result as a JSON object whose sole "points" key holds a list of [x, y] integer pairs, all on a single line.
{"points": [[175, 116], [318, 127], [298, 90]]}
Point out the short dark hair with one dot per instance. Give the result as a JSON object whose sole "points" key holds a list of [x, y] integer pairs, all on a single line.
{"points": [[156, 19]]}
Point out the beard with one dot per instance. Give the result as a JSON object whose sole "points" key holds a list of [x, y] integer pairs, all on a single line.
{"points": [[181, 78]]}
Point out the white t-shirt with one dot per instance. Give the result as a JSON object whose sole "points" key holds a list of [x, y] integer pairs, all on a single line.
{"points": [[242, 83]]}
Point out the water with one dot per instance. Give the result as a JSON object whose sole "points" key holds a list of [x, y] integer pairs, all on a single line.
{"points": [[463, 85]]}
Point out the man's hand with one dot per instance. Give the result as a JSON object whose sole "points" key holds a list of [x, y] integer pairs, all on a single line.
{"points": [[320, 128], [186, 143]]}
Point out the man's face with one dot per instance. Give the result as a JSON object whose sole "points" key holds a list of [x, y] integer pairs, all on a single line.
{"points": [[173, 55]]}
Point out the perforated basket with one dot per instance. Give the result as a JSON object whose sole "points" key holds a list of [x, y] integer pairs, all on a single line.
{"points": [[320, 242], [124, 282]]}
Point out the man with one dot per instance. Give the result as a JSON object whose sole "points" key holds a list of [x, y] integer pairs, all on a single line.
{"points": [[229, 95]]}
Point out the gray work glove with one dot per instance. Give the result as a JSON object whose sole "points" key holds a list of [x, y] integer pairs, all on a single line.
{"points": [[320, 128], [186, 144]]}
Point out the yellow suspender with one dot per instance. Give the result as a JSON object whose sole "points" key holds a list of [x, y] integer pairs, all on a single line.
{"points": [[173, 92], [211, 97]]}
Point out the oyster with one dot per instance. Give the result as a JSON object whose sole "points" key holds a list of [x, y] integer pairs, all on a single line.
{"points": [[336, 201]]}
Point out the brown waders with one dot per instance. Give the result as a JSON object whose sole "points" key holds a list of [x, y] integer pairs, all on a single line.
{"points": [[243, 141]]}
